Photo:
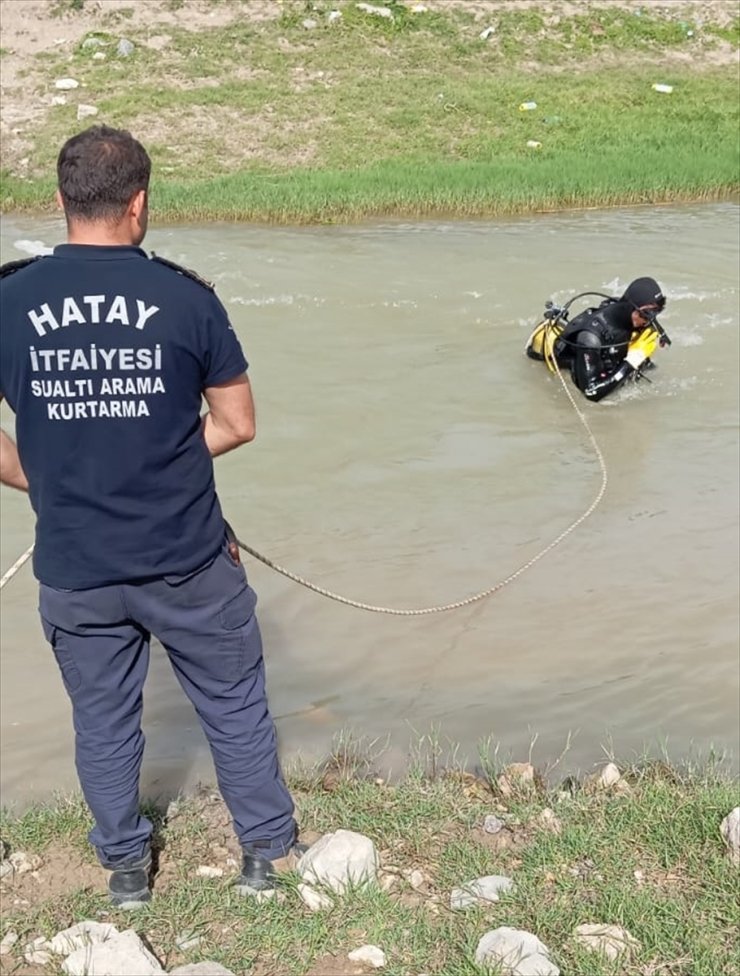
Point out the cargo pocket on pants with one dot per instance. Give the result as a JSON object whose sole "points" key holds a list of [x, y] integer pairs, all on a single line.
{"points": [[237, 636], [71, 676]]}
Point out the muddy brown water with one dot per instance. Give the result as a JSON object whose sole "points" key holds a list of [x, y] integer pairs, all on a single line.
{"points": [[408, 455]]}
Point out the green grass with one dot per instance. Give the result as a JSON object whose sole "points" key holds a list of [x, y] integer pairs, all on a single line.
{"points": [[681, 905], [412, 116]]}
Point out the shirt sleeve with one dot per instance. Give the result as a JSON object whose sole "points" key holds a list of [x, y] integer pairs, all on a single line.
{"points": [[223, 359]]}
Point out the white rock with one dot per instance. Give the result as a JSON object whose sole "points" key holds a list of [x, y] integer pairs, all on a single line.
{"points": [[66, 84], [260, 895], [123, 955], [340, 860], [6, 868], [516, 777], [23, 862], [516, 953], [370, 8], [548, 821], [482, 889], [82, 934], [315, 900], [206, 968], [125, 48], [38, 957], [610, 940], [333, 16], [371, 955], [207, 871], [419, 8], [187, 940], [9, 940], [730, 830], [488, 32], [93, 42], [38, 952], [86, 111], [416, 879], [492, 824], [606, 777], [310, 24], [58, 100], [98, 56]]}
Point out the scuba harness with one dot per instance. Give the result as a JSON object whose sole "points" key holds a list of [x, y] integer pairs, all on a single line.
{"points": [[551, 332]]}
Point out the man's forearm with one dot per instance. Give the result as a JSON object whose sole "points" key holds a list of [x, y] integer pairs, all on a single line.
{"points": [[219, 438], [11, 471]]}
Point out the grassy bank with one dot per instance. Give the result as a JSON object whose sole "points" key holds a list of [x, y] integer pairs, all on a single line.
{"points": [[412, 115], [646, 855]]}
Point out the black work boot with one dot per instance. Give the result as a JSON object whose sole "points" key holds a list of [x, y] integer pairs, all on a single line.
{"points": [[128, 885], [258, 872]]}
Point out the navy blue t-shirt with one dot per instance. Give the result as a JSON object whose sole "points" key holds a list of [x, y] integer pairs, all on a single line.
{"points": [[104, 357]]}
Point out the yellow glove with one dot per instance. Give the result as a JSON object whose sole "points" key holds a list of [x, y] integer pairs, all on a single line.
{"points": [[642, 346]]}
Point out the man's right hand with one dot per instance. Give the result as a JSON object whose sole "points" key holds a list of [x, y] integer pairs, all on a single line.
{"points": [[642, 347]]}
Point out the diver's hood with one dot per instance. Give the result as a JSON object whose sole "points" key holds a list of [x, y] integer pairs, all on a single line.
{"points": [[644, 291]]}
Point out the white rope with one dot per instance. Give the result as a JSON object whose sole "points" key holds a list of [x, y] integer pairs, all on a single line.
{"points": [[483, 593], [442, 608], [7, 577]]}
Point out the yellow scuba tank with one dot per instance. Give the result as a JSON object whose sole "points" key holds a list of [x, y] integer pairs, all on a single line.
{"points": [[541, 343]]}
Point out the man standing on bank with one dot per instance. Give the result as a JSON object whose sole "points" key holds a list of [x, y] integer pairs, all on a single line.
{"points": [[106, 355]]}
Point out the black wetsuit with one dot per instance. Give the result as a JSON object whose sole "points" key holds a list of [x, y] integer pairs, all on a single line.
{"points": [[594, 345]]}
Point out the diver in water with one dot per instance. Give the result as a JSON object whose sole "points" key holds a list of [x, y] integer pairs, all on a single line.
{"points": [[606, 345]]}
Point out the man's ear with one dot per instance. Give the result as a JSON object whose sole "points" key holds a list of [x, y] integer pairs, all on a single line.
{"points": [[138, 204], [58, 198]]}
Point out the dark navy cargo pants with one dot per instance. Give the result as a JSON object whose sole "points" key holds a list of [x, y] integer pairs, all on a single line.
{"points": [[206, 622]]}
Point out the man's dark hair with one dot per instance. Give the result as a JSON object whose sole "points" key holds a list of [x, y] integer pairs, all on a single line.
{"points": [[98, 172]]}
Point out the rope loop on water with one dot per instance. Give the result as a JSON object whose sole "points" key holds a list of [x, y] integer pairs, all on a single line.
{"points": [[422, 611], [475, 597]]}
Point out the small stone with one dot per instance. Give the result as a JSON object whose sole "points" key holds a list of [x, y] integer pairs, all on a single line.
{"points": [[333, 16], [125, 953], [82, 934], [730, 831], [6, 868], [310, 24], [93, 42], [315, 901], [611, 941], [488, 32], [492, 824], [606, 777], [187, 940], [340, 860], [516, 953], [371, 955], [66, 84], [205, 968], [548, 821], [416, 879], [516, 778], [482, 889], [208, 871], [370, 8], [9, 940], [85, 111], [38, 952], [98, 56], [23, 862], [125, 48], [388, 882]]}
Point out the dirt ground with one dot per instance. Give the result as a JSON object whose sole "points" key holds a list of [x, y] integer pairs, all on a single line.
{"points": [[29, 28]]}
